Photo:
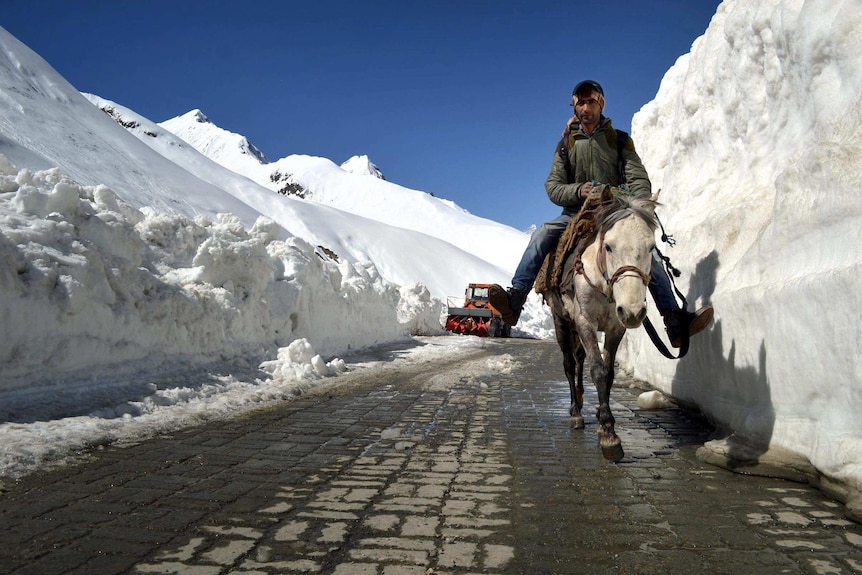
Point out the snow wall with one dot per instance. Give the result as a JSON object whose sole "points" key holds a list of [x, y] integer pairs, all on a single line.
{"points": [[754, 139]]}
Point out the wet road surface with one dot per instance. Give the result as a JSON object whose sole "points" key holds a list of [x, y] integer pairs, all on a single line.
{"points": [[462, 466]]}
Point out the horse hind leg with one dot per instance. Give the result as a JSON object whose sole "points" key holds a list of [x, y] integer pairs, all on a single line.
{"points": [[573, 364], [578, 389]]}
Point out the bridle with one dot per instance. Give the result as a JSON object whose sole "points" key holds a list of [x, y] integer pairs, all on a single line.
{"points": [[602, 265]]}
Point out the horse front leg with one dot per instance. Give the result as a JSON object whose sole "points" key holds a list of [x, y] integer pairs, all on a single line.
{"points": [[612, 448], [599, 371]]}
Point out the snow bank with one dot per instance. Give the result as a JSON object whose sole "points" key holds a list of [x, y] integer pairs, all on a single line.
{"points": [[111, 313], [90, 281], [754, 138]]}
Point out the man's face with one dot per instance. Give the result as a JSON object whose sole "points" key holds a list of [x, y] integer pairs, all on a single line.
{"points": [[588, 107]]}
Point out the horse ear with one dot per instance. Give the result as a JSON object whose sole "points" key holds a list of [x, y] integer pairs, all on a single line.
{"points": [[655, 196], [607, 193]]}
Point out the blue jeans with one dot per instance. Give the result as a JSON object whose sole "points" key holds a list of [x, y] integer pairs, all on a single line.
{"points": [[546, 238], [541, 243], [660, 288]]}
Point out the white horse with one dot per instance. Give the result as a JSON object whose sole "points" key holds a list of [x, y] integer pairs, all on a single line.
{"points": [[606, 291]]}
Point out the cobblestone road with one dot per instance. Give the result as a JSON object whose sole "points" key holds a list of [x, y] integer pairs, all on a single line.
{"points": [[444, 468]]}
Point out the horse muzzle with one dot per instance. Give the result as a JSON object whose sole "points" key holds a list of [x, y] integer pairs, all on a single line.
{"points": [[631, 316]]}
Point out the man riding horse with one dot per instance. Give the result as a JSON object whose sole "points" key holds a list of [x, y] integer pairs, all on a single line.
{"points": [[593, 153]]}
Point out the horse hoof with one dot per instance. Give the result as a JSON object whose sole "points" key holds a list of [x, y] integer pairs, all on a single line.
{"points": [[576, 422], [613, 453]]}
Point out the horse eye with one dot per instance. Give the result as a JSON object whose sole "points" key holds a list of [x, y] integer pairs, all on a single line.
{"points": [[608, 248]]}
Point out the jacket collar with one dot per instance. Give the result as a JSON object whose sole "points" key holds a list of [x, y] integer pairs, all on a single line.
{"points": [[603, 123]]}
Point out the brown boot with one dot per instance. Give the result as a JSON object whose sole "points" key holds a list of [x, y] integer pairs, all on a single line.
{"points": [[676, 323], [508, 302]]}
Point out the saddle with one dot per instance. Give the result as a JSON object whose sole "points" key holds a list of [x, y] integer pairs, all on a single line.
{"points": [[557, 272]]}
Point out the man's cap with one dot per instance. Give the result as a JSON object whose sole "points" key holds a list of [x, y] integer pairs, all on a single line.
{"points": [[588, 84]]}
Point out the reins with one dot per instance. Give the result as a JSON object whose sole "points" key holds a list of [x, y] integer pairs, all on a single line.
{"points": [[659, 344], [672, 272]]}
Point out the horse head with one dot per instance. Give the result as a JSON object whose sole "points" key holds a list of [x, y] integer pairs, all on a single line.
{"points": [[624, 255]]}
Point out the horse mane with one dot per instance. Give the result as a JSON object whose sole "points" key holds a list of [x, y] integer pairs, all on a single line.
{"points": [[623, 206], [601, 210]]}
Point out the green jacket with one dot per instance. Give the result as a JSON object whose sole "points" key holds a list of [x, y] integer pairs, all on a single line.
{"points": [[594, 158]]}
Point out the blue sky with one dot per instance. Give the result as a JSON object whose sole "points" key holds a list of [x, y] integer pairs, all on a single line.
{"points": [[463, 99]]}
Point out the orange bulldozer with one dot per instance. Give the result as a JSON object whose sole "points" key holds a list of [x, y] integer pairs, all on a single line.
{"points": [[476, 316]]}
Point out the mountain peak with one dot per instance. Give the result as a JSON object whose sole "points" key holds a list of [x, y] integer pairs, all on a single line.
{"points": [[218, 144], [362, 165], [198, 116]]}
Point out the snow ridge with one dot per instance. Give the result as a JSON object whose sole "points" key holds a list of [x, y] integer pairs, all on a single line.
{"points": [[218, 144], [362, 165]]}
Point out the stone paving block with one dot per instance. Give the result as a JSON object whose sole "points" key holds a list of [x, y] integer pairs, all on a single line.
{"points": [[336, 506], [411, 502], [334, 533], [420, 526], [459, 507], [380, 555], [405, 570], [296, 566], [335, 515], [466, 533], [356, 569], [107, 565], [291, 530], [399, 543], [178, 519], [57, 562], [98, 545], [431, 492], [144, 535], [38, 535], [497, 556], [461, 554], [382, 522], [226, 553], [474, 522]]}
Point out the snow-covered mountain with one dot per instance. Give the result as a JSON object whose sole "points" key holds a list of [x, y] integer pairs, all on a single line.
{"points": [[403, 255], [323, 182], [156, 169]]}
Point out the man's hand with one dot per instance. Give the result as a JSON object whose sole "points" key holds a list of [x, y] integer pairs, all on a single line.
{"points": [[585, 189]]}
